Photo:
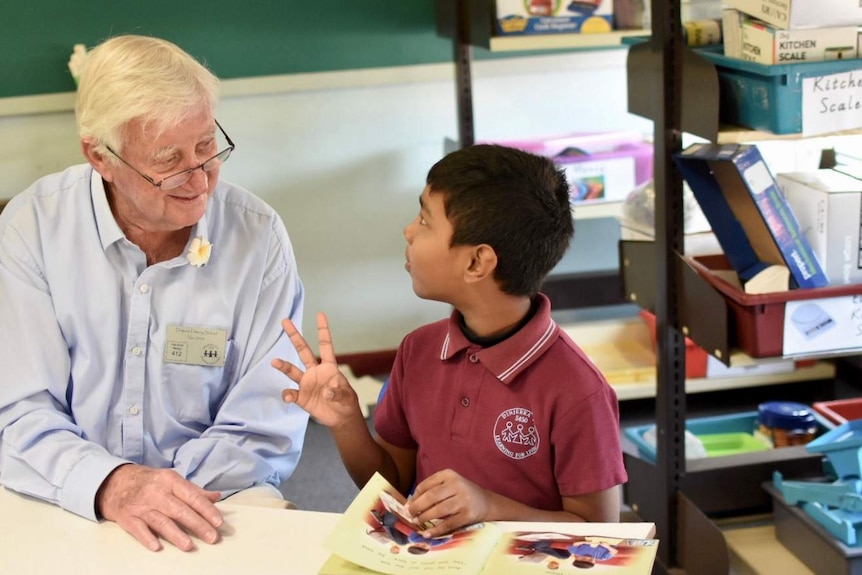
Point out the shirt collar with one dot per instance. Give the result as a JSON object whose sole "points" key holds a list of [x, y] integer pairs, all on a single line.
{"points": [[511, 356], [109, 230]]}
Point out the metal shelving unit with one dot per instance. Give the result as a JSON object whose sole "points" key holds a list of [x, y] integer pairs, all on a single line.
{"points": [[678, 91], [469, 24]]}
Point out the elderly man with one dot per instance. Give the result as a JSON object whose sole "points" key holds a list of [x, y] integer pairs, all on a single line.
{"points": [[140, 307]]}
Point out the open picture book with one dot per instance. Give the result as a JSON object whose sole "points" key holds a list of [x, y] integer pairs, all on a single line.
{"points": [[377, 535]]}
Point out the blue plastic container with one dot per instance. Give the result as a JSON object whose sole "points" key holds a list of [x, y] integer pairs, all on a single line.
{"points": [[766, 97], [843, 447], [745, 422], [787, 423]]}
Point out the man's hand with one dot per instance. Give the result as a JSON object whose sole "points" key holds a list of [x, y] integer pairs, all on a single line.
{"points": [[450, 501], [323, 391], [152, 503]]}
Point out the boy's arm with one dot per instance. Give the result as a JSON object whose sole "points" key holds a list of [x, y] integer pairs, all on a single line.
{"points": [[326, 394], [363, 455], [448, 496]]}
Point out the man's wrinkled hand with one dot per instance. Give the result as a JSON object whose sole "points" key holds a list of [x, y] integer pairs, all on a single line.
{"points": [[158, 503]]}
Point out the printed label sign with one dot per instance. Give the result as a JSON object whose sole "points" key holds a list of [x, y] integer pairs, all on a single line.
{"points": [[832, 103], [196, 345], [823, 326]]}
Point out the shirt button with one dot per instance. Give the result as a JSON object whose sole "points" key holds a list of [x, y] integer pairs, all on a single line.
{"points": [[144, 288], [134, 410], [474, 358], [465, 401], [136, 350]]}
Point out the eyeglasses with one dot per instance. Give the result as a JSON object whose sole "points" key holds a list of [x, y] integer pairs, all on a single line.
{"points": [[180, 178]]}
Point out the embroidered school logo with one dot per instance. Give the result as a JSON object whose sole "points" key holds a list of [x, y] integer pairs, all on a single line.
{"points": [[515, 433]]}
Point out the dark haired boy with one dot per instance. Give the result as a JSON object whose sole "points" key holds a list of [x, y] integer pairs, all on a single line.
{"points": [[494, 413]]}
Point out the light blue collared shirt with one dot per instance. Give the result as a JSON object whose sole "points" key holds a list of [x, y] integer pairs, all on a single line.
{"points": [[84, 385]]}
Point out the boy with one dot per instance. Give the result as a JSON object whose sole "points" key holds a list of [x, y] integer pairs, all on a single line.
{"points": [[493, 414]]}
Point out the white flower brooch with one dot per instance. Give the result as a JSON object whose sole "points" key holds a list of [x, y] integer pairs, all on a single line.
{"points": [[199, 252]]}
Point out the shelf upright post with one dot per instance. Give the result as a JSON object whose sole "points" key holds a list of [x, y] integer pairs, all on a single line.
{"points": [[670, 383], [463, 55]]}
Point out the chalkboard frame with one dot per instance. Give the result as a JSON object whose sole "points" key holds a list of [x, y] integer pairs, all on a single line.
{"points": [[235, 40]]}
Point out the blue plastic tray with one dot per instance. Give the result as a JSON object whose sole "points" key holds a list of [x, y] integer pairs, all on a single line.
{"points": [[744, 422]]}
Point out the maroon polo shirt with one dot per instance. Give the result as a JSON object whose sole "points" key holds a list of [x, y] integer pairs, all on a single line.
{"points": [[530, 418]]}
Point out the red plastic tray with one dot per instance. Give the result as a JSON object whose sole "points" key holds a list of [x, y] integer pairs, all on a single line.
{"points": [[759, 318], [839, 411]]}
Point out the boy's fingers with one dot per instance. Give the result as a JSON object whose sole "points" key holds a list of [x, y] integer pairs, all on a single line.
{"points": [[289, 395], [288, 369], [299, 343], [324, 339]]}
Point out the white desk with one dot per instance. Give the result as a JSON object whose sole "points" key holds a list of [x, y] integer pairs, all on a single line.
{"points": [[36, 537]]}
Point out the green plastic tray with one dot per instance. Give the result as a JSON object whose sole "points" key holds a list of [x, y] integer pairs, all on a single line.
{"points": [[720, 444]]}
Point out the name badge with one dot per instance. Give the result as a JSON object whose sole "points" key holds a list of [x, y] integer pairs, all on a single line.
{"points": [[196, 345]]}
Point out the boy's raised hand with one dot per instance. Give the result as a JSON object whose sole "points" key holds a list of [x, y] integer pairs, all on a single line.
{"points": [[323, 391]]}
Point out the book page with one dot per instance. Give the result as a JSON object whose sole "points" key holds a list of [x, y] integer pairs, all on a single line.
{"points": [[376, 535], [561, 551]]}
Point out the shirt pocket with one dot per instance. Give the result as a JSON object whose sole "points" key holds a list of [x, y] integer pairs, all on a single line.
{"points": [[194, 393]]}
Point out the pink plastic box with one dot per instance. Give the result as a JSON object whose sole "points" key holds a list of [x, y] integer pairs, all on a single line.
{"points": [[599, 166]]}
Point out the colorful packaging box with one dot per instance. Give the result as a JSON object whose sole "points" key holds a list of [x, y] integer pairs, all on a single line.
{"points": [[755, 41], [753, 222], [554, 16], [800, 14]]}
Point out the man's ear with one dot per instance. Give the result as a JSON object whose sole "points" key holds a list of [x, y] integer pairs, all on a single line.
{"points": [[482, 263], [97, 159]]}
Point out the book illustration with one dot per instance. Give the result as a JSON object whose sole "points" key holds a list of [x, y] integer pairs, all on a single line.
{"points": [[378, 535], [811, 320], [377, 532], [538, 552]]}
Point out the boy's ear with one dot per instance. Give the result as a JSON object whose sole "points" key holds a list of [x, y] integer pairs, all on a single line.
{"points": [[482, 263]]}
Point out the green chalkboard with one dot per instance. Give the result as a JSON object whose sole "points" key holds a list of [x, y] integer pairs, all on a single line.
{"points": [[234, 38]]}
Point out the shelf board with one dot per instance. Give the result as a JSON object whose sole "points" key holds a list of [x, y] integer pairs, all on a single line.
{"points": [[593, 210], [819, 371], [623, 351], [740, 135], [529, 42]]}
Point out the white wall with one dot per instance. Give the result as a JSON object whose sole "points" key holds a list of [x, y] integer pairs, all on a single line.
{"points": [[343, 158]]}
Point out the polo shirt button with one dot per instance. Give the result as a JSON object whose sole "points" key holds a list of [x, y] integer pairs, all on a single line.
{"points": [[136, 350], [474, 358], [144, 288], [134, 410], [465, 401]]}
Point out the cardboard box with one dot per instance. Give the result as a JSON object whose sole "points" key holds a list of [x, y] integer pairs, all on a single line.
{"points": [[755, 41], [751, 219], [801, 14], [554, 16], [599, 167], [828, 206]]}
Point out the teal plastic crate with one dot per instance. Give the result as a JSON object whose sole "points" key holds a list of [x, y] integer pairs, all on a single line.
{"points": [[744, 422], [765, 97]]}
